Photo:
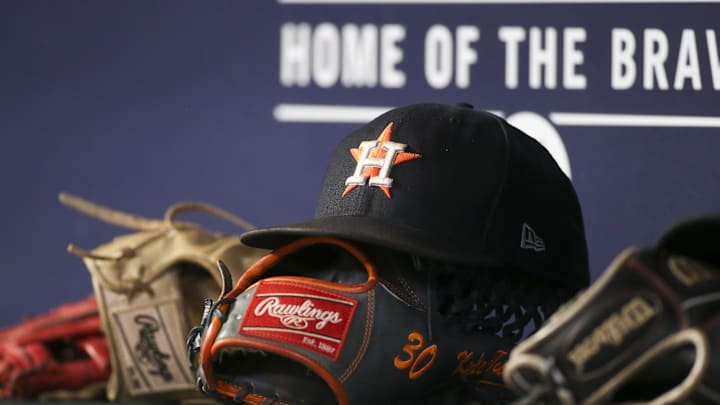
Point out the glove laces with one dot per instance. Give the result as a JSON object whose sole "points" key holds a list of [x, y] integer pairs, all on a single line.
{"points": [[157, 228]]}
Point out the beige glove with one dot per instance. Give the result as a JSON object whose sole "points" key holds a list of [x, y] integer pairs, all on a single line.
{"points": [[150, 286]]}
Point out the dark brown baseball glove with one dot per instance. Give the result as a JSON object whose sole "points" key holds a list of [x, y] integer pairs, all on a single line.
{"points": [[647, 331]]}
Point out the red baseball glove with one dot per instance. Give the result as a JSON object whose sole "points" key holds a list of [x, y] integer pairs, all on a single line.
{"points": [[62, 354]]}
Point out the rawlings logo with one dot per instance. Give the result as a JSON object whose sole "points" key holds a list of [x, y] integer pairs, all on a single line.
{"points": [[306, 316], [297, 316], [147, 348]]}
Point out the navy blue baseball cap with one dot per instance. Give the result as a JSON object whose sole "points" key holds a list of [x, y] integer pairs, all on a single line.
{"points": [[449, 183]]}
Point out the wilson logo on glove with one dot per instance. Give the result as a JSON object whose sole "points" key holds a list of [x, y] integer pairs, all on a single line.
{"points": [[308, 317], [613, 331]]}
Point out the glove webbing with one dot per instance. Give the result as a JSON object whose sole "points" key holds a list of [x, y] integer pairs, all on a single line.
{"points": [[492, 301]]}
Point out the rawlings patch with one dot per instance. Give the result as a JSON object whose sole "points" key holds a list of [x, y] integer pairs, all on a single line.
{"points": [[152, 353], [305, 316]]}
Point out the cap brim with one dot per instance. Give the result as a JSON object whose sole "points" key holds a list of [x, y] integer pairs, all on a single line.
{"points": [[374, 231]]}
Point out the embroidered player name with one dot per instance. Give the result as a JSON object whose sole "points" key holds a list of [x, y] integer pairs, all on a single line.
{"points": [[470, 365], [297, 316], [633, 315]]}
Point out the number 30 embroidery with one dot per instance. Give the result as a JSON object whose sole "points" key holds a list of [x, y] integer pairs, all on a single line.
{"points": [[418, 363]]}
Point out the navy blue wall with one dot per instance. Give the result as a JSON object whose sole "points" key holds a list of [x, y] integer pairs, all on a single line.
{"points": [[141, 104]]}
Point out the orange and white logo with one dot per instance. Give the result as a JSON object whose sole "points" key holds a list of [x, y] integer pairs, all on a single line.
{"points": [[375, 159]]}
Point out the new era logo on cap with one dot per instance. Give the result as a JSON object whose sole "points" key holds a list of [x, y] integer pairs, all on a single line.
{"points": [[530, 240], [448, 183]]}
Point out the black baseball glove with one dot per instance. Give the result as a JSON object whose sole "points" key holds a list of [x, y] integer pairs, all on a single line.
{"points": [[323, 321]]}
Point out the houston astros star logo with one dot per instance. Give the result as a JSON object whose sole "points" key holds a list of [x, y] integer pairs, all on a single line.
{"points": [[374, 161]]}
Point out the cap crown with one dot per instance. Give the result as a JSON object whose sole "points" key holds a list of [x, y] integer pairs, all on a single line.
{"points": [[454, 184]]}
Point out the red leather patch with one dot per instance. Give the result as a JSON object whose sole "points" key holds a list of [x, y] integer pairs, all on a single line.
{"points": [[310, 317]]}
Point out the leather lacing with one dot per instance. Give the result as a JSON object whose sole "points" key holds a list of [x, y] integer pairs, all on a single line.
{"points": [[156, 230]]}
